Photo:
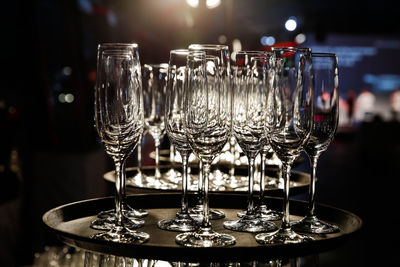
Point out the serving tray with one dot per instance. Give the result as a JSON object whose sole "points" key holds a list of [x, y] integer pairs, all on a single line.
{"points": [[71, 222], [299, 181]]}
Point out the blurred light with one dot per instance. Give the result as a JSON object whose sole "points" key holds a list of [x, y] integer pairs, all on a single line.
{"points": [[300, 38], [189, 20], [67, 71], [69, 98], [193, 3], [212, 3], [61, 98], [222, 39], [291, 24], [236, 45], [233, 57], [267, 40]]}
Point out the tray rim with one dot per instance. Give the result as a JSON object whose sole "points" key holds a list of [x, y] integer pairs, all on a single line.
{"points": [[236, 253]]}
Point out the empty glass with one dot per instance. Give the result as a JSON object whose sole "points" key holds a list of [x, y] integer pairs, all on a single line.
{"points": [[174, 116], [248, 126], [119, 124], [325, 121], [106, 218], [207, 128], [154, 90], [289, 123]]}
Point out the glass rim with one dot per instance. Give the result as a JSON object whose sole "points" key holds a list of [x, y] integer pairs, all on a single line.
{"points": [[208, 46], [107, 44], [290, 48], [180, 51]]}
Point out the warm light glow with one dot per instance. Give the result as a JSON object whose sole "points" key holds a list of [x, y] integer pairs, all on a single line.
{"points": [[212, 3], [222, 39], [193, 3], [236, 45], [291, 24], [300, 38]]}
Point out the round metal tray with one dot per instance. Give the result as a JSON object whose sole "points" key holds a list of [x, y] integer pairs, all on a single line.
{"points": [[299, 181], [71, 222]]}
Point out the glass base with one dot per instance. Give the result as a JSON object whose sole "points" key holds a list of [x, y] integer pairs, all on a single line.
{"points": [[252, 224], [205, 238], [267, 214], [123, 235], [106, 224], [282, 236], [311, 224], [181, 223], [129, 212], [197, 213]]}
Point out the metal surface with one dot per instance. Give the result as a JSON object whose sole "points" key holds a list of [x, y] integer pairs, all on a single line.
{"points": [[71, 224]]}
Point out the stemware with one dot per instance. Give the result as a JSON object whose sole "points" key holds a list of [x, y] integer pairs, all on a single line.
{"points": [[222, 53], [174, 115], [154, 90], [119, 124], [325, 121], [289, 123], [248, 124], [245, 60], [207, 128], [106, 218]]}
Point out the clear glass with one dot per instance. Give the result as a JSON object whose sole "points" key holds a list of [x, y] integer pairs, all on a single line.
{"points": [[248, 124], [174, 116], [154, 91], [207, 128], [119, 124], [325, 121], [106, 219], [222, 53], [289, 123]]}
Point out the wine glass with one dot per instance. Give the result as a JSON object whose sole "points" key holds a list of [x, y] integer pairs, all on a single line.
{"points": [[106, 218], [289, 124], [119, 124], [207, 128], [325, 121], [154, 90], [222, 53], [174, 116], [248, 126]]}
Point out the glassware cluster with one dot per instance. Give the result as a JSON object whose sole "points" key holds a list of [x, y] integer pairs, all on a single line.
{"points": [[283, 102]]}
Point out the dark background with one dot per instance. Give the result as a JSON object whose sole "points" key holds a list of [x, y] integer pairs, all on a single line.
{"points": [[49, 152]]}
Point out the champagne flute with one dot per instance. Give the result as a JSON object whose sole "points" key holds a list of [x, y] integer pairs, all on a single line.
{"points": [[154, 89], [106, 218], [248, 126], [289, 124], [207, 128], [222, 53], [119, 124], [325, 121], [174, 116]]}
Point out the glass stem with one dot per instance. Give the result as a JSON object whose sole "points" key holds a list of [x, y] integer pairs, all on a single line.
{"points": [[157, 170], [184, 200], [286, 167], [200, 184], [120, 190], [262, 176], [311, 193], [206, 209], [139, 154], [250, 200], [232, 151]]}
